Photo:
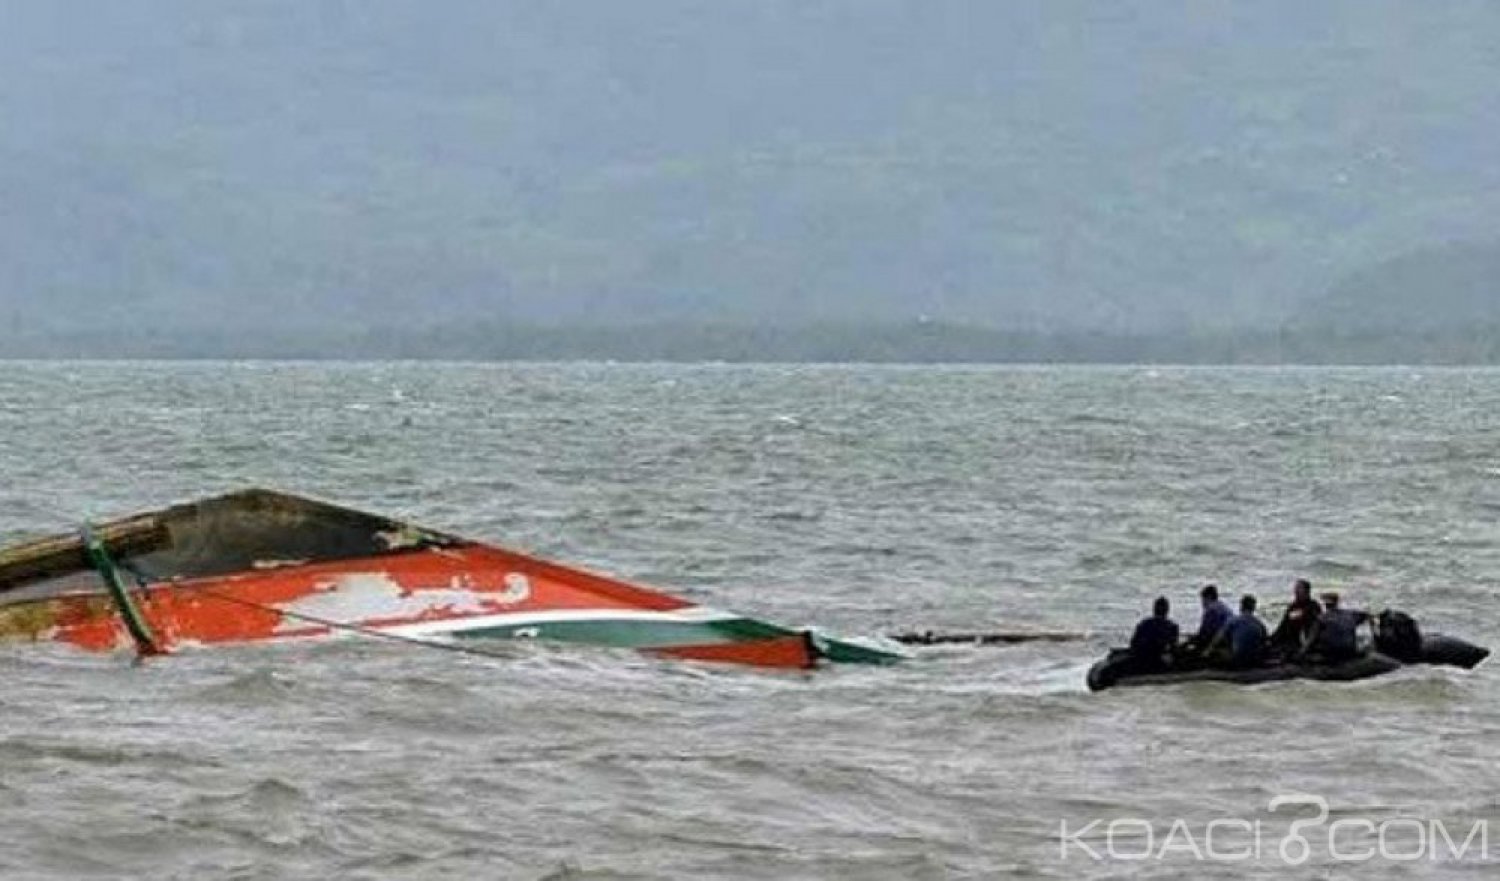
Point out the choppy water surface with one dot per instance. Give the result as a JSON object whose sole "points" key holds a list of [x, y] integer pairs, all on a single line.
{"points": [[858, 499]]}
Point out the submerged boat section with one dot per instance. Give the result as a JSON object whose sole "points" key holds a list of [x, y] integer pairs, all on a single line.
{"points": [[261, 565]]}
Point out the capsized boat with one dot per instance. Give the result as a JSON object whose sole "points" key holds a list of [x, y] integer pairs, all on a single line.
{"points": [[260, 565]]}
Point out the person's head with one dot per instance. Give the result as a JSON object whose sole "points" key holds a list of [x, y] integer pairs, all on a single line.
{"points": [[1209, 594], [1161, 607], [1302, 589], [1247, 604], [1330, 600]]}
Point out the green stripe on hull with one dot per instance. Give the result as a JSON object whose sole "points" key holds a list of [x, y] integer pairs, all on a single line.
{"points": [[648, 634], [841, 652], [635, 634]]}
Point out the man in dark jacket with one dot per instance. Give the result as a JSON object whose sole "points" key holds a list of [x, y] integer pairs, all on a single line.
{"points": [[1155, 638], [1338, 630], [1299, 622]]}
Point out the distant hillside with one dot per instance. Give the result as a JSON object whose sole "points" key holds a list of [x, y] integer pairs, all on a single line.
{"points": [[1451, 287], [188, 171]]}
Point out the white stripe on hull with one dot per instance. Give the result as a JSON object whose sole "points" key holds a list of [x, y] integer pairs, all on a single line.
{"points": [[690, 615]]}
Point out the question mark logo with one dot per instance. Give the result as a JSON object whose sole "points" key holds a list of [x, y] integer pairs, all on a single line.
{"points": [[1295, 841]]}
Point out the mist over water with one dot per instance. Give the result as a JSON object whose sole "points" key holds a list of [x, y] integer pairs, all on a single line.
{"points": [[857, 499], [279, 179]]}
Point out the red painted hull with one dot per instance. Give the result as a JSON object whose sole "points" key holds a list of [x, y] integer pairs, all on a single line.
{"points": [[439, 587]]}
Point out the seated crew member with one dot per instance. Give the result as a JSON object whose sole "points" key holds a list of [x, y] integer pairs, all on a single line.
{"points": [[1299, 622], [1155, 638], [1337, 632], [1244, 637], [1216, 614]]}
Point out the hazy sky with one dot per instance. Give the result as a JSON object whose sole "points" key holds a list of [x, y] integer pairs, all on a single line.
{"points": [[1105, 164]]}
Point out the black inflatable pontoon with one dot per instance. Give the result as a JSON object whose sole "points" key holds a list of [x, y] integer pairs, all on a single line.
{"points": [[1120, 669]]}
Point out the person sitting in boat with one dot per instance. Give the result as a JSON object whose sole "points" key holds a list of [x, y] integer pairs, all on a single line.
{"points": [[1295, 632], [1216, 613], [1242, 642], [1155, 639], [1337, 631]]}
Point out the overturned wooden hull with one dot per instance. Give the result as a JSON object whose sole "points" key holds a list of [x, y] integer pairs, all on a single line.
{"points": [[260, 566]]}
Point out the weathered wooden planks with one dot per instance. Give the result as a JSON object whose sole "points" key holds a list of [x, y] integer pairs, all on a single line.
{"points": [[63, 554]]}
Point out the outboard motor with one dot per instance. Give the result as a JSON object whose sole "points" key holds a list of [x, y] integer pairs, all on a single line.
{"points": [[1398, 636]]}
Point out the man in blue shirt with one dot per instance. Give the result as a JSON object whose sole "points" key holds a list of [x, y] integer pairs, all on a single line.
{"points": [[1216, 614], [1245, 637], [1155, 638]]}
